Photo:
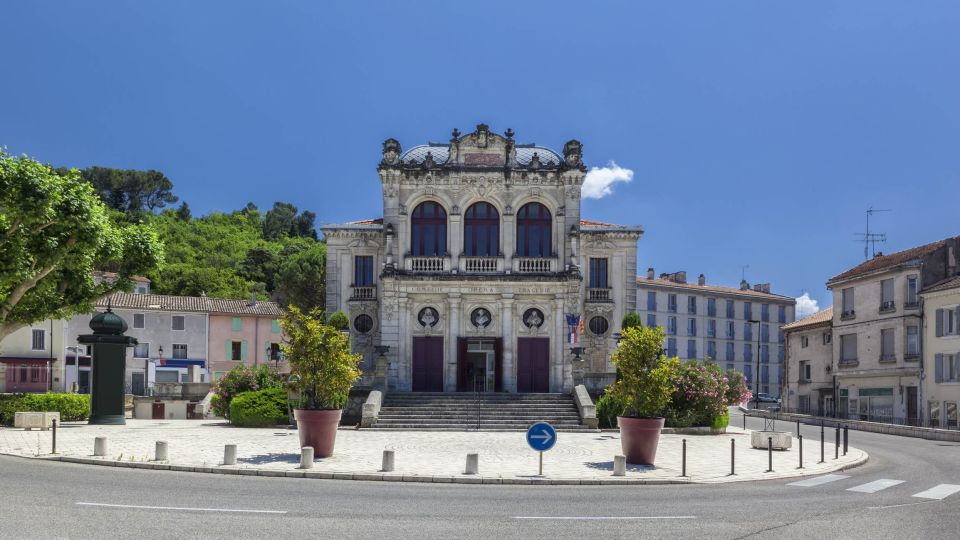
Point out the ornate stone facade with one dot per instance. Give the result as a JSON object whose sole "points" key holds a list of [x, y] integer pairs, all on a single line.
{"points": [[455, 319]]}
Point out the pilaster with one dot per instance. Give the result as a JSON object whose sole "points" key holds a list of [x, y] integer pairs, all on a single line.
{"points": [[509, 342]]}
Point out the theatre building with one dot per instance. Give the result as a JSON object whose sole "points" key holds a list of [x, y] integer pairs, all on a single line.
{"points": [[481, 269]]}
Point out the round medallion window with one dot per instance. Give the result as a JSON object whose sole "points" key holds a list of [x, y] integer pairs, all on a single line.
{"points": [[533, 318], [428, 317], [481, 318], [363, 323], [599, 326]]}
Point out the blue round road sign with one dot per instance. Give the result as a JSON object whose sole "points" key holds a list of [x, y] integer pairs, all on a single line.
{"points": [[541, 436]]}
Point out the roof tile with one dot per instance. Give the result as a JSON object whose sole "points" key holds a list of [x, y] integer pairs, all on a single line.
{"points": [[822, 317]]}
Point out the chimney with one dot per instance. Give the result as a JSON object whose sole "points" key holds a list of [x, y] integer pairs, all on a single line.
{"points": [[951, 261], [702, 280], [650, 273], [744, 286], [765, 288], [253, 298], [680, 277], [757, 287]]}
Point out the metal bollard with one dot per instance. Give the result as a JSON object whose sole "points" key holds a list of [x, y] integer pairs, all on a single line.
{"points": [[619, 465], [306, 457], [388, 461], [160, 451], [100, 446], [800, 438], [798, 428], [683, 471], [769, 454], [473, 464], [836, 444], [54, 451], [733, 453], [821, 442], [230, 454], [846, 439], [744, 415]]}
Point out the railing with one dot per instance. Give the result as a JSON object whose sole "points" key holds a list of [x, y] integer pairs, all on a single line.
{"points": [[887, 307], [534, 265], [425, 264], [364, 292], [481, 265], [598, 295], [846, 315]]}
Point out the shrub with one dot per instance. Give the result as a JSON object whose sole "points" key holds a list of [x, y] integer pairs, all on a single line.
{"points": [[644, 387], [630, 320], [737, 391], [259, 408], [72, 407], [722, 421], [322, 367], [699, 394], [339, 321], [608, 409], [266, 376], [237, 380]]}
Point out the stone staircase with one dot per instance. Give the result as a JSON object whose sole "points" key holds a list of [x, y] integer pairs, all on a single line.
{"points": [[428, 411]]}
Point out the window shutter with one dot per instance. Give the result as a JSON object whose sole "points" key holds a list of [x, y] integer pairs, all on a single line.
{"points": [[938, 368], [939, 323], [956, 321], [243, 350]]}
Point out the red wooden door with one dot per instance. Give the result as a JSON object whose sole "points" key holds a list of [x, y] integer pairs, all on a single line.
{"points": [[158, 411], [428, 364], [533, 364]]}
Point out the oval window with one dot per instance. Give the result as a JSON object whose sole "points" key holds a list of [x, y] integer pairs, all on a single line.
{"points": [[599, 326]]}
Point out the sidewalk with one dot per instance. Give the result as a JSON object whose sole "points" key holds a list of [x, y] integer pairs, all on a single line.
{"points": [[577, 458]]}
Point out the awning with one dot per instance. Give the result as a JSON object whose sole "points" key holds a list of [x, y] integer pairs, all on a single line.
{"points": [[179, 363], [29, 361]]}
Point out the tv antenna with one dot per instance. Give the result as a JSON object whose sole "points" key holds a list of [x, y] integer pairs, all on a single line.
{"points": [[870, 239], [743, 271]]}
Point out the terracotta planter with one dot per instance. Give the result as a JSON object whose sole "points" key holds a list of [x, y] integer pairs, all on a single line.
{"points": [[318, 429], [639, 438]]}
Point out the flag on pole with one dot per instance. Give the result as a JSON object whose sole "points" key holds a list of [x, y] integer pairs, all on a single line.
{"points": [[574, 323]]}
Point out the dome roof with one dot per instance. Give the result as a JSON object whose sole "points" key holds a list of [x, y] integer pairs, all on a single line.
{"points": [[441, 152], [108, 323]]}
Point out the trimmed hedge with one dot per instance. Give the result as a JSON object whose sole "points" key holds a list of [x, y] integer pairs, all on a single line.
{"points": [[72, 407], [259, 408]]}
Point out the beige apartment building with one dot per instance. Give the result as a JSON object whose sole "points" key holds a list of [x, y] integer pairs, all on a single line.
{"points": [[877, 321], [738, 327], [941, 352], [809, 365]]}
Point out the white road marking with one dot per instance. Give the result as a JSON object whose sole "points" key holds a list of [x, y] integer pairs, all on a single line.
{"points": [[825, 479], [184, 509], [875, 486], [938, 492], [594, 518]]}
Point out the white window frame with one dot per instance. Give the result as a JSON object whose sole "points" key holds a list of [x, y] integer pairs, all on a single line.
{"points": [[137, 346], [174, 351]]}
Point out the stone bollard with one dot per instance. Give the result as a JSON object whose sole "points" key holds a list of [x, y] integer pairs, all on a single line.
{"points": [[230, 454], [160, 454], [388, 461], [100, 446], [306, 457], [473, 464], [619, 465]]}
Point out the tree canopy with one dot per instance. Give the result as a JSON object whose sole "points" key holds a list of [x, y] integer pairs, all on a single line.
{"points": [[131, 191], [54, 233]]}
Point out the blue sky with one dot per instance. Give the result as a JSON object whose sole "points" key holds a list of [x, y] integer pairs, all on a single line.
{"points": [[757, 132]]}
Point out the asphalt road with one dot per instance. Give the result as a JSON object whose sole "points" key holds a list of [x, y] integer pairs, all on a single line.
{"points": [[53, 500]]}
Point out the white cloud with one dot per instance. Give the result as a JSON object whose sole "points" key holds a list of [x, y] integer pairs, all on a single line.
{"points": [[599, 181], [806, 306]]}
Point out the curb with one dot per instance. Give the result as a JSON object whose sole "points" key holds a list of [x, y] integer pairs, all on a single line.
{"points": [[391, 477]]}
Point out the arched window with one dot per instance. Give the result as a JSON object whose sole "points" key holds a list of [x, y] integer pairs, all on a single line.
{"points": [[481, 231], [534, 227], [429, 232]]}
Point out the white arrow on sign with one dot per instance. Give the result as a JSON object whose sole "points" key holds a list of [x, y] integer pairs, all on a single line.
{"points": [[545, 437]]}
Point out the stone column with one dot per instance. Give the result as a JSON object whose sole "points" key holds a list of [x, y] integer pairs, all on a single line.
{"points": [[509, 245], [404, 372], [454, 240], [509, 375], [453, 314]]}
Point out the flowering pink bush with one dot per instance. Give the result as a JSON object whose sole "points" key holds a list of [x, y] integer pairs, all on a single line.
{"points": [[701, 394]]}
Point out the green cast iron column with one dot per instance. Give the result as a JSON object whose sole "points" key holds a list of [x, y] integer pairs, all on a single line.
{"points": [[109, 367]]}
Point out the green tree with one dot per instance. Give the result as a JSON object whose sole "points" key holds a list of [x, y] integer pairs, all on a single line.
{"points": [[302, 278], [644, 387], [322, 367], [279, 221], [131, 191], [54, 233], [183, 211]]}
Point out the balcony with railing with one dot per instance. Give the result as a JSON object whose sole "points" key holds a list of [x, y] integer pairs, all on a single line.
{"points": [[596, 294], [534, 265], [481, 265], [363, 292], [433, 264]]}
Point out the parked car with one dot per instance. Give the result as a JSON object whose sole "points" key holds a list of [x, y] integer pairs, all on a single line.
{"points": [[767, 398]]}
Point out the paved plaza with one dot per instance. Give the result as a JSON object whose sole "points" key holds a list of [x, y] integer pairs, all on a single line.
{"points": [[577, 458]]}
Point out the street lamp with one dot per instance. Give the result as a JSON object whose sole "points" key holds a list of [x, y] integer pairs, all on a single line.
{"points": [[756, 397]]}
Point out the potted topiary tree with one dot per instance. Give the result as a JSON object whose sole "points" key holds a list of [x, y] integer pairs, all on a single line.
{"points": [[643, 390], [322, 372]]}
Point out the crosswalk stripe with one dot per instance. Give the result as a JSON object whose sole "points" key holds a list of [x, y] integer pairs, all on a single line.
{"points": [[825, 479], [938, 492], [875, 486]]}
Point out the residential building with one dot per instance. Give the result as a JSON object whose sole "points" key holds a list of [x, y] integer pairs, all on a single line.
{"points": [[481, 270], [715, 322], [243, 333], [32, 358], [941, 352], [809, 364], [876, 317]]}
